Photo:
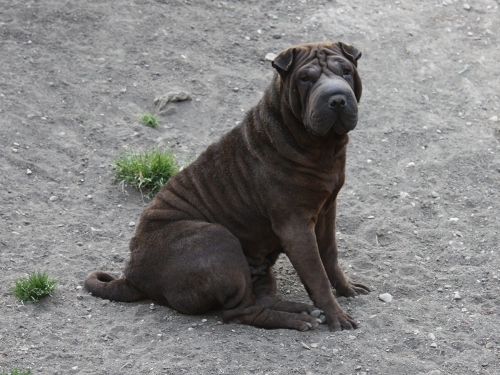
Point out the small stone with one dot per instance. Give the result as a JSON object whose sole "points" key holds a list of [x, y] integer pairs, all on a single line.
{"points": [[386, 297], [457, 296], [203, 320], [152, 306], [411, 164], [53, 198], [432, 336], [494, 118], [434, 345], [105, 302], [316, 313], [15, 150], [28, 171], [277, 36], [305, 346], [131, 224], [270, 56], [489, 345], [467, 7], [434, 194], [314, 345]]}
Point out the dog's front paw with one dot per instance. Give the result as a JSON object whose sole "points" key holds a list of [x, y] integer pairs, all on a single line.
{"points": [[340, 321], [351, 289]]}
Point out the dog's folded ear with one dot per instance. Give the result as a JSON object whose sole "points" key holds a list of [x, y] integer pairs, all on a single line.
{"points": [[351, 52], [283, 62]]}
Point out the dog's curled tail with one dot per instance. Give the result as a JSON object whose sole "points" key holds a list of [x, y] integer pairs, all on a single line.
{"points": [[102, 284]]}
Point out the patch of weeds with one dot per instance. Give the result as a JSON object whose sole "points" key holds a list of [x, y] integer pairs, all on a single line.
{"points": [[149, 120], [34, 287], [16, 372], [147, 171]]}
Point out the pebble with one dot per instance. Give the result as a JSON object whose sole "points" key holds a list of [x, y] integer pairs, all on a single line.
{"points": [[314, 345], [53, 198], [270, 56], [316, 313], [466, 6], [432, 336], [457, 296], [447, 2], [494, 118], [131, 224], [386, 297], [28, 171], [434, 345], [305, 346], [152, 306]]}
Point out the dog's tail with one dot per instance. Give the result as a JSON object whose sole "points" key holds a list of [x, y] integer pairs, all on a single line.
{"points": [[102, 284]]}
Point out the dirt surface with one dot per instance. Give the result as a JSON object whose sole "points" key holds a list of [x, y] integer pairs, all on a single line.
{"points": [[418, 216]]}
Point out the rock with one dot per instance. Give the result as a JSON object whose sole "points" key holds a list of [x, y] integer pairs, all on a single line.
{"points": [[386, 297], [305, 346], [270, 56], [432, 336], [171, 97], [53, 198], [434, 345], [131, 224], [457, 296], [316, 313], [467, 6], [494, 118], [28, 171]]}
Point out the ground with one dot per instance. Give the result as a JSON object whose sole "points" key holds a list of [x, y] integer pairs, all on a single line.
{"points": [[417, 218]]}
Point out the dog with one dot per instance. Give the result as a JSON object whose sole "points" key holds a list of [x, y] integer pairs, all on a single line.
{"points": [[209, 239]]}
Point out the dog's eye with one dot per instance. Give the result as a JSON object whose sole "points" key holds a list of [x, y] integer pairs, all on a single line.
{"points": [[305, 79], [346, 72]]}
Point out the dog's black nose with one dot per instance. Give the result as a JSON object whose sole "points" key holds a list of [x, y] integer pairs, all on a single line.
{"points": [[337, 102]]}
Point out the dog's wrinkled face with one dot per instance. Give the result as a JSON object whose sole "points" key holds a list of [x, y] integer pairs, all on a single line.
{"points": [[323, 86]]}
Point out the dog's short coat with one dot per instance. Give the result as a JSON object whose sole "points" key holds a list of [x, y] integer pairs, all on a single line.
{"points": [[210, 237]]}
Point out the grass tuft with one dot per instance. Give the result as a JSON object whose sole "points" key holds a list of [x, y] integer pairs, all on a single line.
{"points": [[147, 171], [16, 372], [34, 287], [149, 120]]}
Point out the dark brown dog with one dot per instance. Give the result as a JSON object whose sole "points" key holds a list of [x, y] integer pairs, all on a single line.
{"points": [[210, 237]]}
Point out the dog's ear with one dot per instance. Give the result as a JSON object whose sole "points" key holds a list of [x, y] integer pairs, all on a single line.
{"points": [[283, 61], [351, 52]]}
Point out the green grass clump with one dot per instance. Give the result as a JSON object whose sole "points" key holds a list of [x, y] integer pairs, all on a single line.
{"points": [[149, 120], [34, 287], [16, 372], [147, 171]]}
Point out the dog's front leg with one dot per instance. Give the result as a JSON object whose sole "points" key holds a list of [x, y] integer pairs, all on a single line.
{"points": [[325, 234], [300, 245]]}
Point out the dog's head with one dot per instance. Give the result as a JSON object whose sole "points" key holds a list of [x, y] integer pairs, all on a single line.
{"points": [[321, 86]]}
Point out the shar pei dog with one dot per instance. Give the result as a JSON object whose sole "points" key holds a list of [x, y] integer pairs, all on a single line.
{"points": [[209, 239]]}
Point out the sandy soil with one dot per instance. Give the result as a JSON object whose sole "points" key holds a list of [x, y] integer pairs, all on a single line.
{"points": [[418, 216]]}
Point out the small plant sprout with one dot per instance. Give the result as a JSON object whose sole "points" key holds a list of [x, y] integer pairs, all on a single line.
{"points": [[149, 120], [147, 171], [16, 372], [34, 287]]}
